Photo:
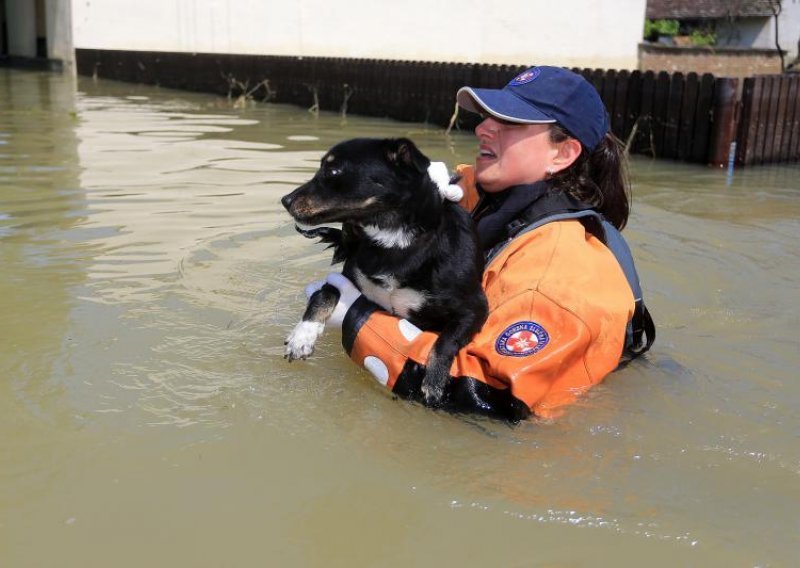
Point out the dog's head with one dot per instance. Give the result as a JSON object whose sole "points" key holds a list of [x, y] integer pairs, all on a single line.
{"points": [[362, 180]]}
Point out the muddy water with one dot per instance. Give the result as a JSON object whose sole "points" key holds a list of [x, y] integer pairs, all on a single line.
{"points": [[147, 417]]}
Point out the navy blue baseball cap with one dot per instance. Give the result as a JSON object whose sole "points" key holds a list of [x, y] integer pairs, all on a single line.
{"points": [[544, 95]]}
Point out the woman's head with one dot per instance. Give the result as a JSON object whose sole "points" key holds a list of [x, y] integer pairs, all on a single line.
{"points": [[514, 154], [549, 122]]}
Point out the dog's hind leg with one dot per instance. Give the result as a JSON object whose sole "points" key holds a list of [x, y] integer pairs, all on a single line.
{"points": [[301, 341]]}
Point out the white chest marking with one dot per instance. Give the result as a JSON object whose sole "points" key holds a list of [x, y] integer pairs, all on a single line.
{"points": [[389, 238], [399, 301]]}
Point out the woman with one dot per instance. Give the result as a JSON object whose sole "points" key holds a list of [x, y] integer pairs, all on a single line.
{"points": [[548, 192]]}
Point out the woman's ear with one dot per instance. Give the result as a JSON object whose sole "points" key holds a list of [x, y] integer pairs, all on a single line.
{"points": [[568, 152]]}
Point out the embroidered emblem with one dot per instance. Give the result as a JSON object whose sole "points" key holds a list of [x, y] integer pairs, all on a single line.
{"points": [[525, 77], [522, 339]]}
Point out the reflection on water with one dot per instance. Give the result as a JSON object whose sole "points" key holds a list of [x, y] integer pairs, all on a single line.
{"points": [[150, 276]]}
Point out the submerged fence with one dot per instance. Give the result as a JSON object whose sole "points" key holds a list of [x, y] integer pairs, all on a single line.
{"points": [[769, 127], [684, 117]]}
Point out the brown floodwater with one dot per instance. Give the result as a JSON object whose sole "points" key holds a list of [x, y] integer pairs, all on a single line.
{"points": [[147, 417]]}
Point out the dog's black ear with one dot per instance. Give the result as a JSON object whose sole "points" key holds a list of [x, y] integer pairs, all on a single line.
{"points": [[402, 152]]}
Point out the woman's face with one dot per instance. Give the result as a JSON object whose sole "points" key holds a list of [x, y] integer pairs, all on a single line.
{"points": [[512, 154]]}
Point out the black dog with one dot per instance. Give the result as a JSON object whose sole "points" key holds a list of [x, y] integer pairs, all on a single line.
{"points": [[404, 246]]}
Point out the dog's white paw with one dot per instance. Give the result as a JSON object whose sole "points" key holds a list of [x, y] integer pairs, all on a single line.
{"points": [[300, 343], [437, 171]]}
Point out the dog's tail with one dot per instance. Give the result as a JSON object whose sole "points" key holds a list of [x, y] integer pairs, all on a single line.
{"points": [[334, 237]]}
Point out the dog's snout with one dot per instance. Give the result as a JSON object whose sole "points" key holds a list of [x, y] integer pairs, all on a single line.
{"points": [[287, 199]]}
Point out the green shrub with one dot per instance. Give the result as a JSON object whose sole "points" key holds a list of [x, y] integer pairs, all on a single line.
{"points": [[703, 37], [655, 28]]}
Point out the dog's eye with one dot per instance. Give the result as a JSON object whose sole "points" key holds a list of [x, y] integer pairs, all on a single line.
{"points": [[333, 172]]}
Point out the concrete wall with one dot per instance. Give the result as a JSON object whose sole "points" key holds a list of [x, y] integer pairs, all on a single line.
{"points": [[21, 18], [760, 32], [721, 62], [49, 19], [59, 30], [789, 28], [586, 33], [746, 32], [2, 27]]}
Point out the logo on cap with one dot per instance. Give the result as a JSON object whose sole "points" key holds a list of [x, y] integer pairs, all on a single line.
{"points": [[522, 339], [525, 77]]}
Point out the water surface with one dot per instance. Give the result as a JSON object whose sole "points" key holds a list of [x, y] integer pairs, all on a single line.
{"points": [[147, 416]]}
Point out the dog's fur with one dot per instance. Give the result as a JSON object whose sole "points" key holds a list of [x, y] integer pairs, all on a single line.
{"points": [[403, 245]]}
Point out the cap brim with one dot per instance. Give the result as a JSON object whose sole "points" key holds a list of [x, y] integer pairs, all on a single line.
{"points": [[501, 104]]}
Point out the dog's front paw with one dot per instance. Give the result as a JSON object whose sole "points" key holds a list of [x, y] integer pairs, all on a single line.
{"points": [[300, 343], [433, 394]]}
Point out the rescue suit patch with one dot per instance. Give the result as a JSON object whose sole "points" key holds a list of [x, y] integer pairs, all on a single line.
{"points": [[522, 339]]}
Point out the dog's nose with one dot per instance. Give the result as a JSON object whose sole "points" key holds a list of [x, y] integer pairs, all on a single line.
{"points": [[287, 199]]}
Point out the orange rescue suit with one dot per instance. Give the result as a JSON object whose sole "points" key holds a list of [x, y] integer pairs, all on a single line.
{"points": [[559, 305]]}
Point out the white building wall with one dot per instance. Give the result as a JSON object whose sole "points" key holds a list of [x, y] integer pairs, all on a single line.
{"points": [[586, 33]]}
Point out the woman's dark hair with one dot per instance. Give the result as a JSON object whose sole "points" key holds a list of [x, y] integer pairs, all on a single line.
{"points": [[598, 177]]}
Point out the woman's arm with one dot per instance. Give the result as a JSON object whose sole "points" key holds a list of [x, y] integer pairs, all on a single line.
{"points": [[527, 358]]}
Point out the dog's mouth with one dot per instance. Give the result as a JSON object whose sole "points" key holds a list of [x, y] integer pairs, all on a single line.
{"points": [[313, 218], [301, 226], [305, 213]]}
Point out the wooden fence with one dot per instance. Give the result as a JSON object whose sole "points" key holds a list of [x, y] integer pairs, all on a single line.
{"points": [[684, 117], [769, 127], [663, 115]]}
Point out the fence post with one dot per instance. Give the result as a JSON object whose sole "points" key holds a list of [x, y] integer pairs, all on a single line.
{"points": [[724, 128], [704, 114], [794, 142]]}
